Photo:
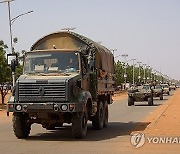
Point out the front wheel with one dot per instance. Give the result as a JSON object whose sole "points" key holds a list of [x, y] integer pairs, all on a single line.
{"points": [[130, 101], [161, 97], [150, 101], [21, 127], [79, 125]]}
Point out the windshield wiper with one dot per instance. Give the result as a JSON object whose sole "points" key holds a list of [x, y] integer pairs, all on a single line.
{"points": [[53, 74], [43, 74]]}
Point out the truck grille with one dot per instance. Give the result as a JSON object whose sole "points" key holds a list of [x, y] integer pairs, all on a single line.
{"points": [[42, 92]]}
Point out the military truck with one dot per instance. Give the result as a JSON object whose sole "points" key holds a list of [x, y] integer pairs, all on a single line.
{"points": [[158, 91], [140, 94], [166, 89], [67, 78], [172, 86]]}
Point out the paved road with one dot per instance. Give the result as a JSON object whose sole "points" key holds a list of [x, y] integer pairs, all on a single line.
{"points": [[114, 139]]}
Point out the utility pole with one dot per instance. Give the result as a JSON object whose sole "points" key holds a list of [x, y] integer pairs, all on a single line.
{"points": [[144, 73], [9, 15], [125, 74], [151, 74], [139, 77], [11, 21], [133, 69]]}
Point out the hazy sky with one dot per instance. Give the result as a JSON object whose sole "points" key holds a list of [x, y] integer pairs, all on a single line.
{"points": [[143, 29]]}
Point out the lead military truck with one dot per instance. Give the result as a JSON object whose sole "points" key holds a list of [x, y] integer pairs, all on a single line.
{"points": [[67, 78]]}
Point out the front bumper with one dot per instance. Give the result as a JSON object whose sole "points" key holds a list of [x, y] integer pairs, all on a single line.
{"points": [[166, 92], [156, 94], [44, 107]]}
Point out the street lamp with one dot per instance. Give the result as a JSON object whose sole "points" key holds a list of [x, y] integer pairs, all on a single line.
{"points": [[139, 77], [9, 11], [144, 72], [125, 75], [133, 68], [11, 21], [14, 19], [155, 75], [150, 72]]}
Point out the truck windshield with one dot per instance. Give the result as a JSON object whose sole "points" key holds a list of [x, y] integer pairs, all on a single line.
{"points": [[52, 61], [146, 87], [158, 87]]}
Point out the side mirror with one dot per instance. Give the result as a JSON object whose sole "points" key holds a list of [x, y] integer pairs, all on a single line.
{"points": [[12, 61], [91, 64], [13, 65]]}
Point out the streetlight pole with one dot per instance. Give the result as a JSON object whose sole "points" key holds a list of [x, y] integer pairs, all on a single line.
{"points": [[154, 75], [125, 75], [14, 19], [139, 77], [151, 73], [133, 70], [11, 21], [10, 26], [10, 30], [9, 15], [144, 72]]}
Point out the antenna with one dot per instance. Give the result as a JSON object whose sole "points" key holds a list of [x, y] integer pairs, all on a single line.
{"points": [[68, 29]]}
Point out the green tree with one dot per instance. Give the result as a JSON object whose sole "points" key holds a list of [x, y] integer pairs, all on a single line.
{"points": [[119, 72], [5, 71]]}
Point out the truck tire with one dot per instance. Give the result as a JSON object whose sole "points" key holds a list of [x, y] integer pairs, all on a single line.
{"points": [[79, 125], [161, 97], [106, 114], [150, 101], [130, 101], [21, 127], [98, 119]]}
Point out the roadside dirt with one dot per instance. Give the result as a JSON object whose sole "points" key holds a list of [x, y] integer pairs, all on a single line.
{"points": [[164, 122], [3, 114], [166, 119], [6, 98]]}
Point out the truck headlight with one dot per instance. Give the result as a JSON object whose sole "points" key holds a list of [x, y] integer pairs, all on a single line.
{"points": [[64, 107], [18, 107]]}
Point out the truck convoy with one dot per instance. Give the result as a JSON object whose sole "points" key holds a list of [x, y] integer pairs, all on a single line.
{"points": [[67, 78]]}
